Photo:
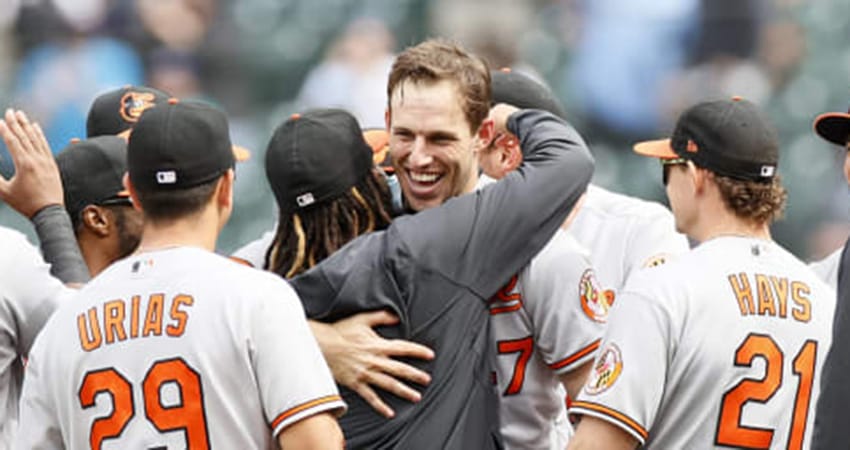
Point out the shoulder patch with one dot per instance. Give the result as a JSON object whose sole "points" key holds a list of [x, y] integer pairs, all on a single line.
{"points": [[606, 371], [595, 302], [656, 260]]}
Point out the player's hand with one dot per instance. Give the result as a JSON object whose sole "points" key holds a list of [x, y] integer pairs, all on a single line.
{"points": [[499, 114], [36, 182], [360, 359]]}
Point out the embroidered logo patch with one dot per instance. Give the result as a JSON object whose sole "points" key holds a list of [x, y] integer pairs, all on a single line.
{"points": [[656, 260], [595, 302], [133, 104], [606, 371]]}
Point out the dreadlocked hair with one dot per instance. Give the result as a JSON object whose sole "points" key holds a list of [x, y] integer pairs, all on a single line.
{"points": [[305, 238]]}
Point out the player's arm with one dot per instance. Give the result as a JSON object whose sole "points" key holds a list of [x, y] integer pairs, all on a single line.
{"points": [[482, 239], [574, 380], [35, 191], [320, 431], [593, 434], [361, 360]]}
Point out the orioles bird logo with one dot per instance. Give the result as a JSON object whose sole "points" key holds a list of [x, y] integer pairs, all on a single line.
{"points": [[133, 104], [607, 370], [595, 302]]}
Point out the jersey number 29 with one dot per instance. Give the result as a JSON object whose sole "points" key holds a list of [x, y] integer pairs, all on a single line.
{"points": [[730, 431], [187, 415]]}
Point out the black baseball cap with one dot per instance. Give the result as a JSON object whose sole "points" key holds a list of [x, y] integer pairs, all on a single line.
{"points": [[516, 89], [117, 111], [315, 157], [178, 145], [92, 171], [732, 138], [834, 127]]}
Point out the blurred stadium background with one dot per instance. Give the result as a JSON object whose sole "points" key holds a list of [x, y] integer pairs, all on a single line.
{"points": [[624, 69]]}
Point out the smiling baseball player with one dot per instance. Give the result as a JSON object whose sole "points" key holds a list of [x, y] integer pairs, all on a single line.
{"points": [[723, 346]]}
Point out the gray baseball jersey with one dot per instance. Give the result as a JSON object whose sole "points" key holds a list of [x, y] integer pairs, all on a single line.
{"points": [[174, 348], [28, 295], [436, 270], [547, 321], [624, 234], [721, 347], [827, 268]]}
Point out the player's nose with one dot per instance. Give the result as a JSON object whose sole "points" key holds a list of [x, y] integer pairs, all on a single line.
{"points": [[419, 154]]}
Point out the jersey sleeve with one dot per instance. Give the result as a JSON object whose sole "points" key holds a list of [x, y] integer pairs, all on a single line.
{"points": [[626, 383], [652, 241], [481, 239], [30, 293], [254, 252], [556, 292], [294, 380], [39, 425]]}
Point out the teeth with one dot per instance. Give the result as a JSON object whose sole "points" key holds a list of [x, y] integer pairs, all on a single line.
{"points": [[424, 177]]}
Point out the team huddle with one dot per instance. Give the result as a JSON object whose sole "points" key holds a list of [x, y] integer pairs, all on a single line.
{"points": [[452, 282]]}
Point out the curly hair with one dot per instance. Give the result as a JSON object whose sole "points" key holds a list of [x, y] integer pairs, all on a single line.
{"points": [[305, 238], [759, 202]]}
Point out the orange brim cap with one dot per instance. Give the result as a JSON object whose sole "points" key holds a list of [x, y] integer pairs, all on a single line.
{"points": [[834, 127], [656, 149], [379, 140], [241, 153]]}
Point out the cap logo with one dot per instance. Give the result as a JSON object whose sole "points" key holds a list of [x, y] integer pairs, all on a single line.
{"points": [[166, 177], [305, 199], [692, 147], [767, 171], [133, 104]]}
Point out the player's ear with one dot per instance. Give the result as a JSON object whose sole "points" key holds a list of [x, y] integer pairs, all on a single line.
{"points": [[96, 220], [514, 156], [486, 133], [698, 177], [224, 190], [134, 196]]}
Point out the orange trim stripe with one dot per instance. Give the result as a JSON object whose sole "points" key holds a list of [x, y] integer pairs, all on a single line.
{"points": [[576, 356], [239, 260], [616, 415], [506, 309], [302, 407]]}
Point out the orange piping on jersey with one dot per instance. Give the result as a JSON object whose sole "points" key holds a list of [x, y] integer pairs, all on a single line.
{"points": [[576, 356], [239, 260], [506, 309], [302, 407], [616, 415]]}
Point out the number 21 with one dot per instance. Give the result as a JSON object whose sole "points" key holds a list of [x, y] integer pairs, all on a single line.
{"points": [[730, 431]]}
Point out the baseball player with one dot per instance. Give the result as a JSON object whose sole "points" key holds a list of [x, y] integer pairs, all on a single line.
{"points": [[729, 339], [28, 293], [175, 346], [107, 226], [437, 269], [623, 234], [831, 429], [834, 128], [548, 320]]}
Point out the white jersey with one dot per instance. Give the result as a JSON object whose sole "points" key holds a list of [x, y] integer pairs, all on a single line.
{"points": [[172, 349], [546, 322], [827, 268], [254, 252], [624, 234], [28, 296], [728, 350]]}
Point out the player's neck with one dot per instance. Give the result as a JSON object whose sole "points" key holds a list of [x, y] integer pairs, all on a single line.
{"points": [[727, 224], [199, 230]]}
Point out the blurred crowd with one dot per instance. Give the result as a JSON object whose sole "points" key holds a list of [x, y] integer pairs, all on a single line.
{"points": [[623, 69]]}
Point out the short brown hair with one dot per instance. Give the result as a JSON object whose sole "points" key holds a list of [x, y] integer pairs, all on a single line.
{"points": [[755, 201], [436, 60], [165, 205]]}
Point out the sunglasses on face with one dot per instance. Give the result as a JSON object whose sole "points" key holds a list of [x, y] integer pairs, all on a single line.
{"points": [[667, 164]]}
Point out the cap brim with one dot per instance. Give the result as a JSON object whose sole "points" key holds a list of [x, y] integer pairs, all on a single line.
{"points": [[656, 149], [834, 127], [241, 153], [379, 140]]}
